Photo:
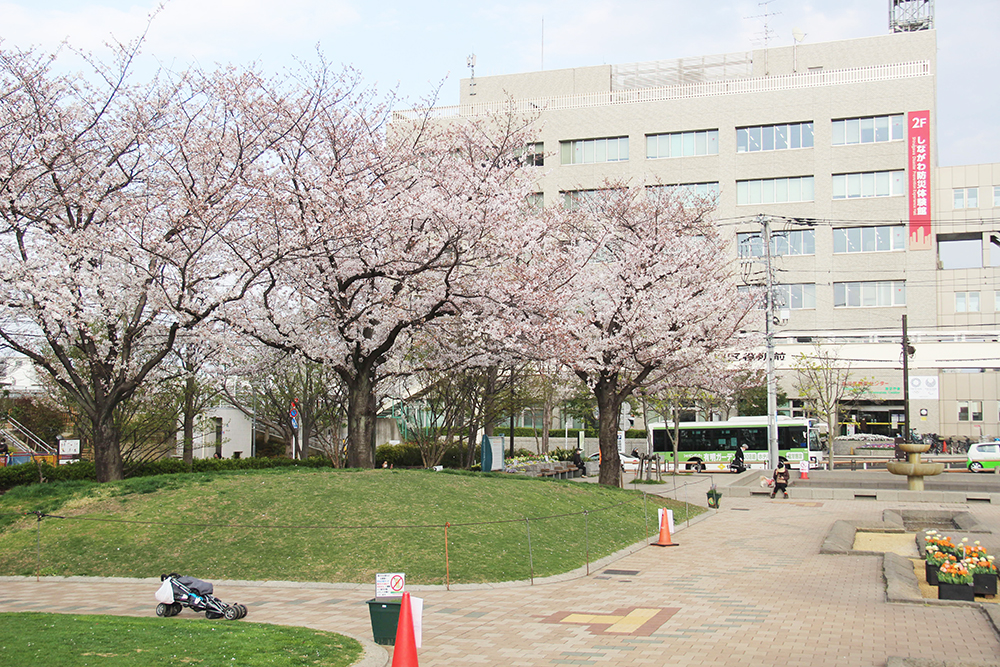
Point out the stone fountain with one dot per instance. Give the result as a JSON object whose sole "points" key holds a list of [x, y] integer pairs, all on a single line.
{"points": [[914, 469]]}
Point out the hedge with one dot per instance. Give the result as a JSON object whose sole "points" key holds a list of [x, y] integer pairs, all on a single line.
{"points": [[27, 473]]}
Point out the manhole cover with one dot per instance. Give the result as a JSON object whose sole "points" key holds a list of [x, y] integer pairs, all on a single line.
{"points": [[623, 573]]}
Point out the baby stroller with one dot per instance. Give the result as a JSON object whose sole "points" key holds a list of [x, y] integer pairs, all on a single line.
{"points": [[177, 592]]}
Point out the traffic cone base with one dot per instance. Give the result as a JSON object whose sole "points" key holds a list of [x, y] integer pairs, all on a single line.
{"points": [[404, 653], [664, 540]]}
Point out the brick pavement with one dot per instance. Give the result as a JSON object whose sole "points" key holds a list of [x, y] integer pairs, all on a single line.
{"points": [[746, 587]]}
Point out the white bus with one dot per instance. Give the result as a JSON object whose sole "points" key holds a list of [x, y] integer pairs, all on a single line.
{"points": [[712, 445]]}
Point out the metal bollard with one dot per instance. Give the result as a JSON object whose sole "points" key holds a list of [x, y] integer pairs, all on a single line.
{"points": [[854, 465]]}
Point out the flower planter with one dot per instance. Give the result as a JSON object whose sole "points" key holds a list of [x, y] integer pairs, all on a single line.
{"points": [[956, 592], [984, 584], [930, 573]]}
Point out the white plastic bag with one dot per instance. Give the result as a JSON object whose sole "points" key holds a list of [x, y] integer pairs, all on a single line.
{"points": [[766, 482], [165, 593]]}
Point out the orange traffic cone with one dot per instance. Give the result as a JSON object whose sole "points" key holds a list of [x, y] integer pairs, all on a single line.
{"points": [[404, 654], [664, 540], [804, 470]]}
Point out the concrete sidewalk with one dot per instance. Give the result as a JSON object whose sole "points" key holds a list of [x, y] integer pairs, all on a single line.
{"points": [[746, 586]]}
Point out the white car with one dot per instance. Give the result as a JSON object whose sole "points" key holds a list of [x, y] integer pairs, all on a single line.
{"points": [[984, 456], [629, 463]]}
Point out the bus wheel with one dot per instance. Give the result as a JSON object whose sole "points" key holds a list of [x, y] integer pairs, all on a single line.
{"points": [[696, 465]]}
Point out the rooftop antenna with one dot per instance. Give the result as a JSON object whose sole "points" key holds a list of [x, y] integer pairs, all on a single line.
{"points": [[911, 15], [768, 33], [470, 62], [798, 36]]}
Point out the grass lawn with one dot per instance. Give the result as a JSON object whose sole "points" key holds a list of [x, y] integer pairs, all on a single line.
{"points": [[62, 640], [323, 525]]}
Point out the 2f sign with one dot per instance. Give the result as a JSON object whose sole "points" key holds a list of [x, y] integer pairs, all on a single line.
{"points": [[919, 122]]}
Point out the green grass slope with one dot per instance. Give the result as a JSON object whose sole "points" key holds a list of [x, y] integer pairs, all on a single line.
{"points": [[56, 640], [322, 525]]}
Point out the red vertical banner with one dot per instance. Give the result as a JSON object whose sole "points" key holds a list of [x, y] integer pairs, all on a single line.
{"points": [[919, 148]]}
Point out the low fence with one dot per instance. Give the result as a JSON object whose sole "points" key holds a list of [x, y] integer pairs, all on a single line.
{"points": [[564, 541]]}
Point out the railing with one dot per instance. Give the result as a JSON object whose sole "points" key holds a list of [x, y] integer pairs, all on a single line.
{"points": [[766, 84], [28, 442]]}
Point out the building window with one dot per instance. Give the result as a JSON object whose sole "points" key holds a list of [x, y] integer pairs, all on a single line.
{"points": [[966, 302], [798, 242], [591, 151], [966, 197], [574, 199], [996, 195], [682, 144], [534, 155], [774, 190], [868, 130], [960, 251], [970, 411], [774, 137], [869, 184], [873, 294], [536, 201], [869, 239], [688, 192], [796, 297], [996, 301]]}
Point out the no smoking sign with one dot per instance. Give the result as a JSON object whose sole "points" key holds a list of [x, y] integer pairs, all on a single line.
{"points": [[389, 584]]}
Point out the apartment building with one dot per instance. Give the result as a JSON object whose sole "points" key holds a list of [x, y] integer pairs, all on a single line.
{"points": [[833, 146]]}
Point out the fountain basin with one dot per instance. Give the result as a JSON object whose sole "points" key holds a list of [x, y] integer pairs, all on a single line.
{"points": [[915, 469], [913, 447]]}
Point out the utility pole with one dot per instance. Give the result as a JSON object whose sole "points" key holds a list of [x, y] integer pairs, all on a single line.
{"points": [[772, 387]]}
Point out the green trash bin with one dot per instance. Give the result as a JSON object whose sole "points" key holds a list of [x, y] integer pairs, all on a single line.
{"points": [[713, 498], [385, 619]]}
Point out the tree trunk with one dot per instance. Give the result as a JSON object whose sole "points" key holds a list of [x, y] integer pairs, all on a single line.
{"points": [[608, 405], [360, 421], [831, 426], [547, 408], [188, 451], [107, 452]]}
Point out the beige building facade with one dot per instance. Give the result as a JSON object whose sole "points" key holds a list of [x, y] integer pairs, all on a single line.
{"points": [[831, 145]]}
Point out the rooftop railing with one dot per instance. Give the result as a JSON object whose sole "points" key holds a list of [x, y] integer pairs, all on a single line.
{"points": [[746, 86]]}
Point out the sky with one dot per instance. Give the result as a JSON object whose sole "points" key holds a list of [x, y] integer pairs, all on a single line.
{"points": [[421, 48]]}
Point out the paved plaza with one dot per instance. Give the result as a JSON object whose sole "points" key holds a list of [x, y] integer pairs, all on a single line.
{"points": [[747, 585]]}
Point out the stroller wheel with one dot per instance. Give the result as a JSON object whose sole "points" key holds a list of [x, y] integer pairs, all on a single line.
{"points": [[175, 608], [231, 613], [243, 610], [163, 610]]}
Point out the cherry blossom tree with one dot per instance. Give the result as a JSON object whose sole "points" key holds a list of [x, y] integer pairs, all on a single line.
{"points": [[128, 214], [649, 296], [401, 220]]}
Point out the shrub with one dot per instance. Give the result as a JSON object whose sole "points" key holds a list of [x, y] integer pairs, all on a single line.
{"points": [[402, 455]]}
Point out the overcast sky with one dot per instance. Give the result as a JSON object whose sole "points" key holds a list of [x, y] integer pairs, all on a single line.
{"points": [[417, 45]]}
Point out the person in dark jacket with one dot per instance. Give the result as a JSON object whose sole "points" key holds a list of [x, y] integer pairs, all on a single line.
{"points": [[739, 465], [780, 480], [578, 462]]}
